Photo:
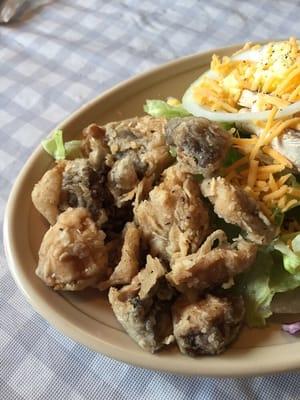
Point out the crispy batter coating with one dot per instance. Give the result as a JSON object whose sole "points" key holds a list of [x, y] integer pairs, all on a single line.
{"points": [[211, 266], [139, 149], [129, 263], [207, 326], [123, 179], [145, 317], [125, 219], [46, 193], [236, 207], [72, 255], [201, 145], [94, 146], [174, 221]]}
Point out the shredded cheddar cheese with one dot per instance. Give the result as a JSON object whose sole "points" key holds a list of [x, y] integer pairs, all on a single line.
{"points": [[272, 184], [294, 192], [282, 202], [257, 79], [265, 209], [260, 180], [292, 97], [252, 173], [278, 129], [277, 156], [271, 169], [271, 71], [263, 137], [290, 204], [237, 164], [283, 179], [275, 101], [270, 119], [277, 194], [287, 80]]}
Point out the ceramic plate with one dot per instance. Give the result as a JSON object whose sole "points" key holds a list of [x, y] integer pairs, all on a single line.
{"points": [[86, 317]]}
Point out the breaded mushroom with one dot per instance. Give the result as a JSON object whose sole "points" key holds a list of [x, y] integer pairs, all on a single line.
{"points": [[94, 146], [207, 326], [212, 265], [201, 145], [138, 149], [72, 183], [46, 193], [174, 221], [82, 186], [236, 207], [129, 263], [72, 255], [143, 314]]}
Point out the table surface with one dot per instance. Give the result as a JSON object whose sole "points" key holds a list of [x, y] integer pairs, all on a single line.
{"points": [[53, 59]]}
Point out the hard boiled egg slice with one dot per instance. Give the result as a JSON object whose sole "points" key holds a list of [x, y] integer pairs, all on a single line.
{"points": [[262, 65]]}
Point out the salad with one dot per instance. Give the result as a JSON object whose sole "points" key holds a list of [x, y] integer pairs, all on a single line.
{"points": [[255, 95], [188, 217]]}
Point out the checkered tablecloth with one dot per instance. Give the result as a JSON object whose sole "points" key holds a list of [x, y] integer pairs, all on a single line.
{"points": [[52, 60]]}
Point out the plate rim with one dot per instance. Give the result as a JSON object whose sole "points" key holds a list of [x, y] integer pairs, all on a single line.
{"points": [[73, 330]]}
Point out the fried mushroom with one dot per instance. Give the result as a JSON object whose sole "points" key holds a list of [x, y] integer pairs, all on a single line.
{"points": [[211, 266], [71, 183], [129, 263], [46, 193], [236, 207], [123, 179], [72, 255], [82, 186], [138, 149], [145, 317], [174, 220], [207, 326], [94, 146], [201, 145]]}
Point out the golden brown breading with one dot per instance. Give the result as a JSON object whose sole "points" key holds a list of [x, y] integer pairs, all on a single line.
{"points": [[211, 266], [236, 207], [174, 221], [129, 263], [201, 145], [93, 145], [207, 326], [138, 149], [72, 255], [145, 317], [46, 193]]}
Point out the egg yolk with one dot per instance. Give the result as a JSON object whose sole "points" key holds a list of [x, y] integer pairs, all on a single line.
{"points": [[272, 70]]}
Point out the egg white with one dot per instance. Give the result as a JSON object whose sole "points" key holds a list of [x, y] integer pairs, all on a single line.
{"points": [[257, 55]]}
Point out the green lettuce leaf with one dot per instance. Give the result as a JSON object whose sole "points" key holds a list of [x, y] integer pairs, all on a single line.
{"points": [[289, 246], [55, 145], [59, 150], [254, 286], [281, 280], [266, 277], [159, 108]]}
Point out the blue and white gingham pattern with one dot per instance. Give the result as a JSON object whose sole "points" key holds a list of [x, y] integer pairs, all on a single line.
{"points": [[52, 61]]}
